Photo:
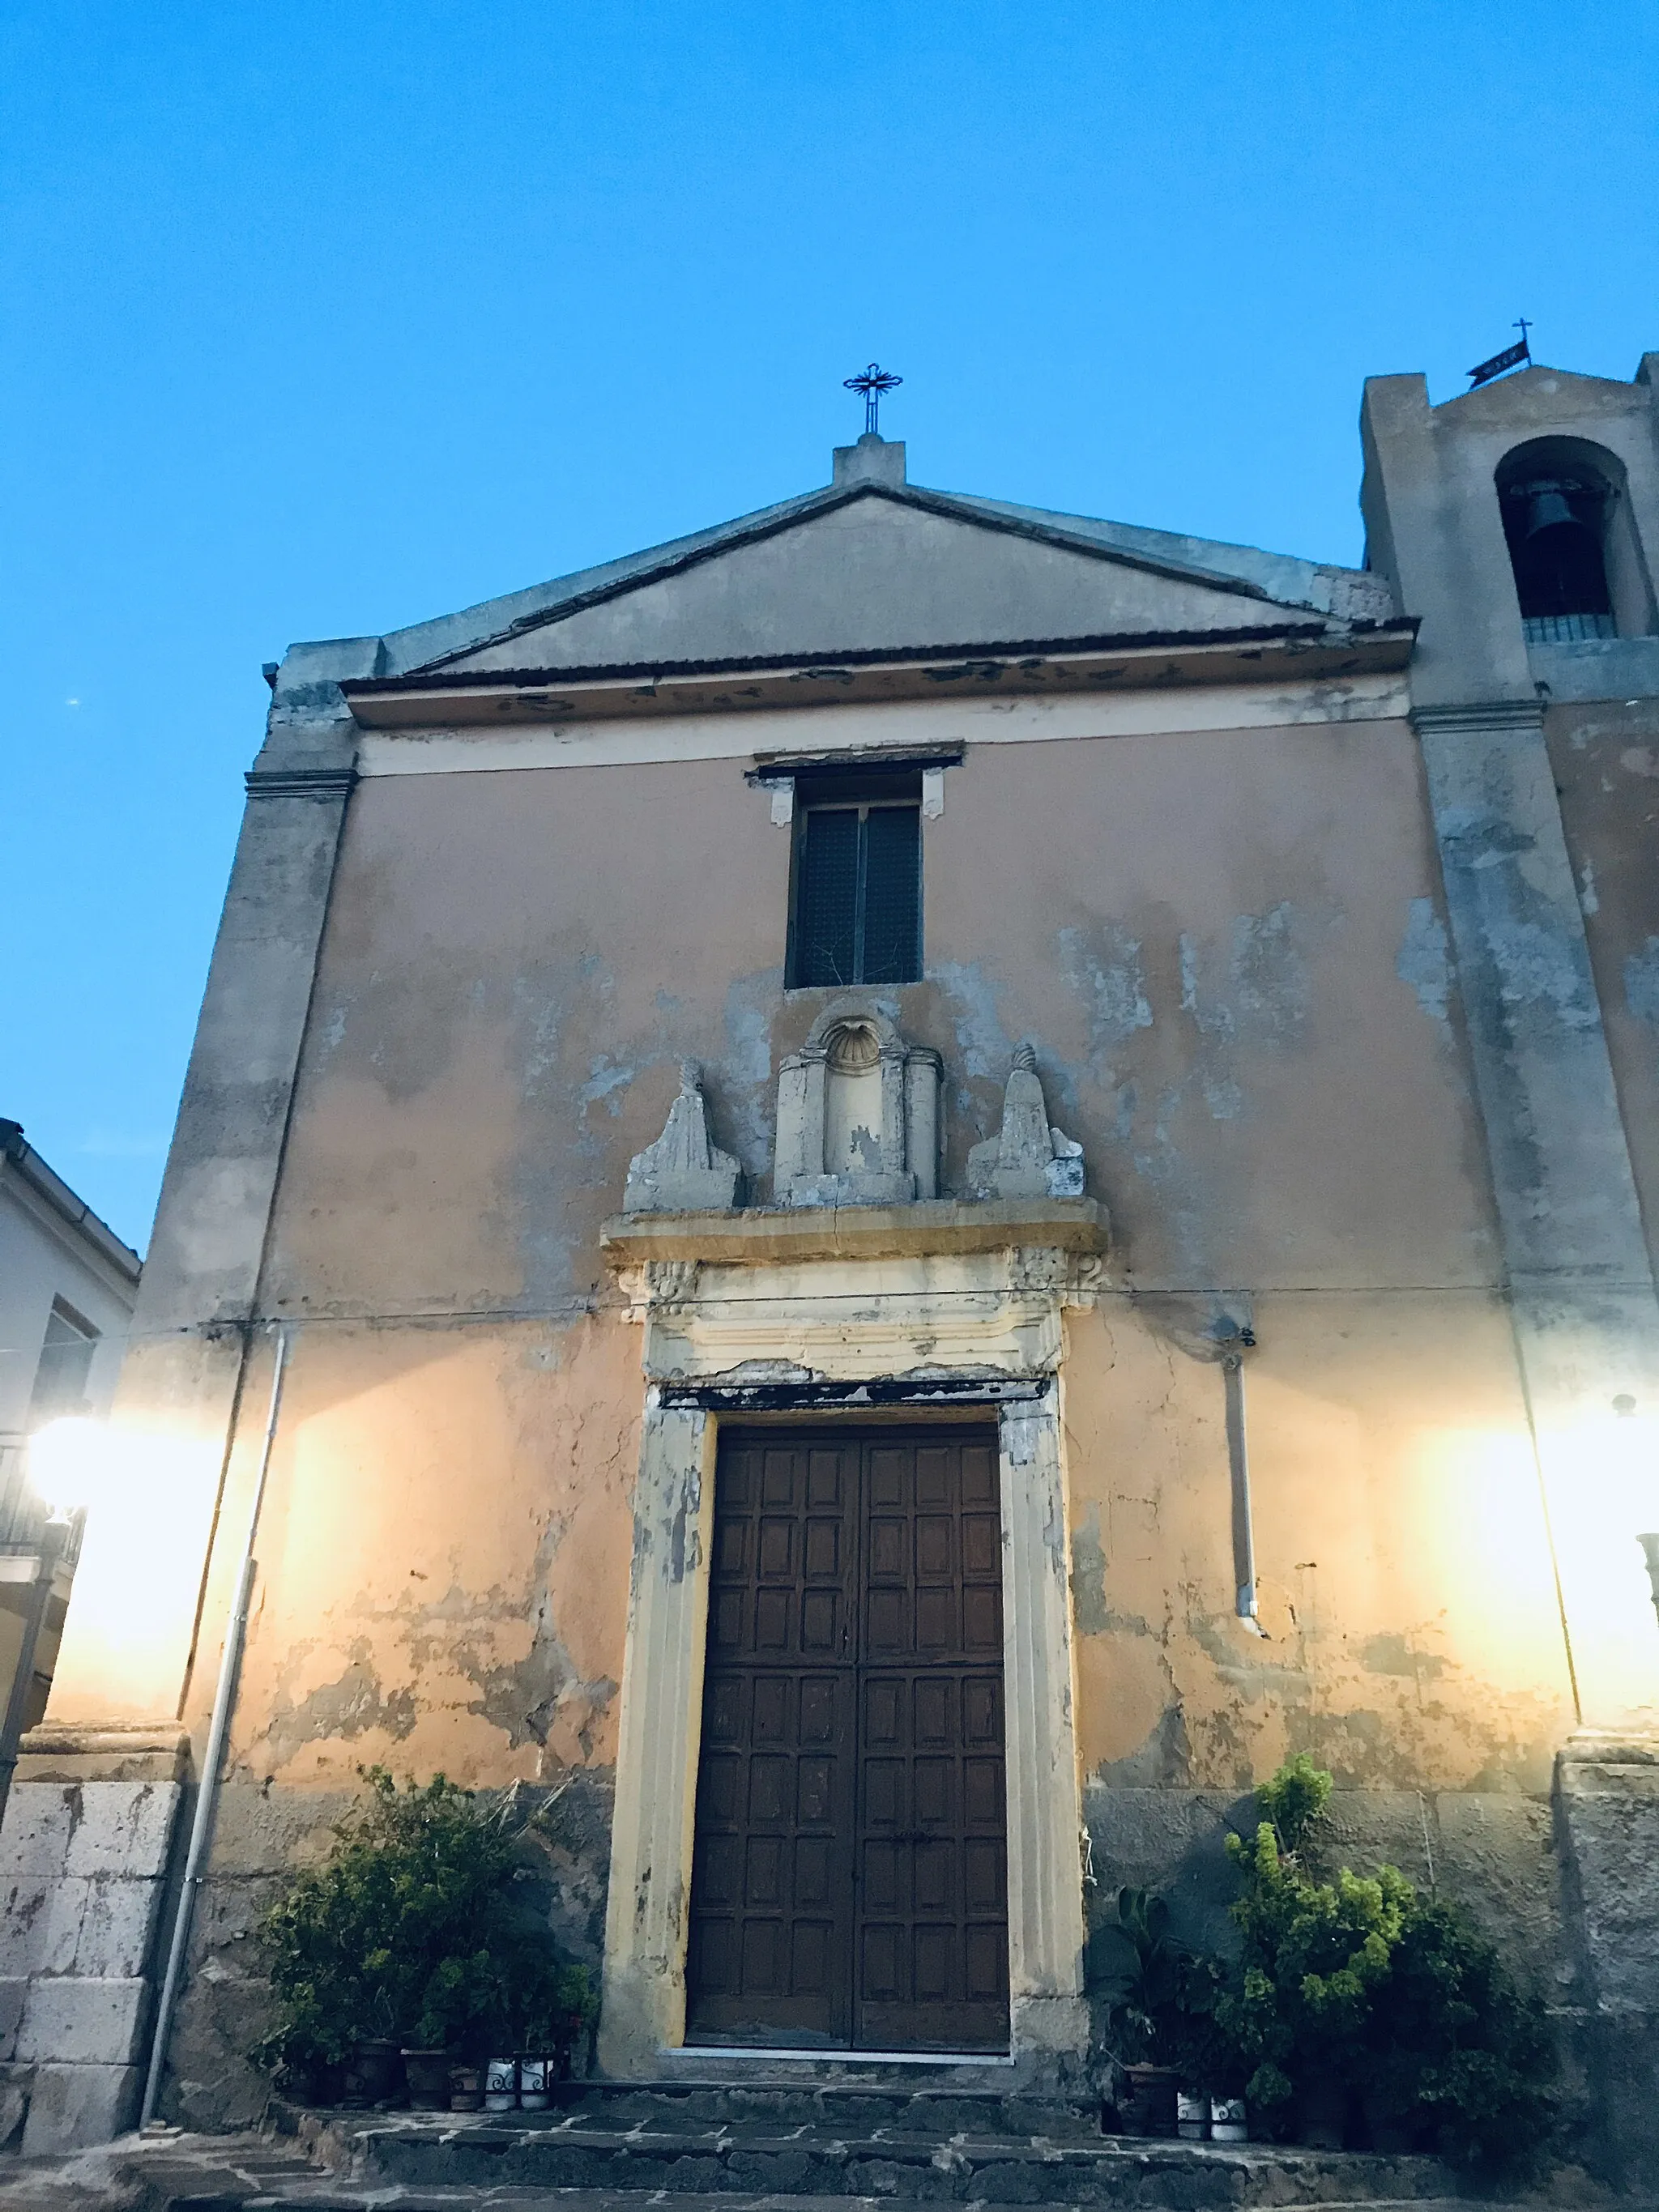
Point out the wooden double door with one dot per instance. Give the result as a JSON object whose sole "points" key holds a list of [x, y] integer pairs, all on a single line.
{"points": [[849, 1881]]}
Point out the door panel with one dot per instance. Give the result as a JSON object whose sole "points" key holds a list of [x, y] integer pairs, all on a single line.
{"points": [[771, 1882], [849, 1881]]}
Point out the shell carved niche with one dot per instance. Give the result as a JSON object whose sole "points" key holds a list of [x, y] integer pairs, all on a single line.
{"points": [[858, 1113]]}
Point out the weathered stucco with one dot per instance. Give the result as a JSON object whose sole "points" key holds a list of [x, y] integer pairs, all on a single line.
{"points": [[1258, 1088], [1605, 755], [461, 1615], [1412, 1638], [1354, 1027]]}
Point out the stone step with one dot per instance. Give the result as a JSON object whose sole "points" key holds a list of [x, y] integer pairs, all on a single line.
{"points": [[204, 2184], [264, 2173], [634, 2145], [339, 2196], [839, 2107]]}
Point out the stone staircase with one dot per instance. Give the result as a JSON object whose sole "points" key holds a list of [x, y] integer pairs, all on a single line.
{"points": [[832, 2142], [754, 2146], [895, 2142]]}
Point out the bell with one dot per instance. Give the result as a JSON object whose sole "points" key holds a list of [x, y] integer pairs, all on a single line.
{"points": [[1547, 510]]}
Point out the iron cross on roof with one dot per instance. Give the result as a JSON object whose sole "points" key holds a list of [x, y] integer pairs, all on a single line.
{"points": [[872, 382]]}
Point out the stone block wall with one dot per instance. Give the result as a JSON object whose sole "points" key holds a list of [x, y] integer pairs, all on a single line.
{"points": [[84, 1855], [1608, 1821]]}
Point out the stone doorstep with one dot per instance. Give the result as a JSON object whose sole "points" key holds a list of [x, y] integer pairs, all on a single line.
{"points": [[423, 2151], [842, 2108]]}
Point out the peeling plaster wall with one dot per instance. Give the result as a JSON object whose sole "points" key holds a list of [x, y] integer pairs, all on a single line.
{"points": [[1412, 1638], [1605, 753], [1228, 948], [1231, 952], [443, 1561]]}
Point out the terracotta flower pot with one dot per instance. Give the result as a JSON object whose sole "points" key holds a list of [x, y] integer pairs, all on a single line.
{"points": [[1324, 2116], [1147, 2104], [427, 2075], [376, 2071]]}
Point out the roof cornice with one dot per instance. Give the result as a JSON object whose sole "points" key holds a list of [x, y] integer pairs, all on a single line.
{"points": [[50, 1198], [450, 698]]}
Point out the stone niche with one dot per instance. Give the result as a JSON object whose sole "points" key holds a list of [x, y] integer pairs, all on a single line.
{"points": [[858, 1113]]}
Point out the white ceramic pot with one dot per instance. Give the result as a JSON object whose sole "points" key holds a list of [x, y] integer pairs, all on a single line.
{"points": [[1192, 2116], [1227, 2123]]}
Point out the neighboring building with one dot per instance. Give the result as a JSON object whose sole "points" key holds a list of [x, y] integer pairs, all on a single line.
{"points": [[1119, 972], [67, 1288]]}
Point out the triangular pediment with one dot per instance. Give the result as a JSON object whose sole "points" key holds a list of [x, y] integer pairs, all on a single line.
{"points": [[872, 571]]}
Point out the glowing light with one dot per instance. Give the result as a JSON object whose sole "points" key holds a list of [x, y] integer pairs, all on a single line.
{"points": [[71, 1464], [149, 1500]]}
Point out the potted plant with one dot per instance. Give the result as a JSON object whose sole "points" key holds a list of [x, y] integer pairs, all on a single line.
{"points": [[400, 1947], [1141, 1989], [556, 2010], [577, 2015]]}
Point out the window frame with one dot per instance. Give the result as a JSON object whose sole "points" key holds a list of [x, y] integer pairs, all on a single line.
{"points": [[861, 791], [86, 1337]]}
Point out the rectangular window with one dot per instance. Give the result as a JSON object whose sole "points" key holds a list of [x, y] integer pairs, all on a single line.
{"points": [[858, 880], [65, 1364]]}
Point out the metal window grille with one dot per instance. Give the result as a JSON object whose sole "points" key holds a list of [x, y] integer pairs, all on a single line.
{"points": [[858, 911], [1566, 629]]}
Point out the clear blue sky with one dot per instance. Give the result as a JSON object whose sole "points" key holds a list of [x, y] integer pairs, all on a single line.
{"points": [[320, 319]]}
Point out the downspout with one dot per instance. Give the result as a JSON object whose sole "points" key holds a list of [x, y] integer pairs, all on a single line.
{"points": [[1234, 1346], [207, 1794]]}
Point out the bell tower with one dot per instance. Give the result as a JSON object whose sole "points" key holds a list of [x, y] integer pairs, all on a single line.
{"points": [[1519, 523], [1491, 512]]}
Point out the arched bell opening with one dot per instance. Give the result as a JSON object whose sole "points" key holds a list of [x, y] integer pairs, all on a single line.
{"points": [[1577, 567]]}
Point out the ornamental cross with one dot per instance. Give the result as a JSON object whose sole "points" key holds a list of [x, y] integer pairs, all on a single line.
{"points": [[872, 382]]}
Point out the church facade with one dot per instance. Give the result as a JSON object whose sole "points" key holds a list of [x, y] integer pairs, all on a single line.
{"points": [[886, 1197]]}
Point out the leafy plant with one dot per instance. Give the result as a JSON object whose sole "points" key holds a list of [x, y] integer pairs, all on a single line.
{"points": [[1294, 1801], [1360, 1988], [1160, 1996], [1460, 2057], [553, 2008], [408, 1929], [1314, 1954], [1141, 1977]]}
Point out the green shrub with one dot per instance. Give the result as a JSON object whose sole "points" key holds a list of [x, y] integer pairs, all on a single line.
{"points": [[408, 1929], [1360, 1988], [1460, 2057], [1314, 1955]]}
